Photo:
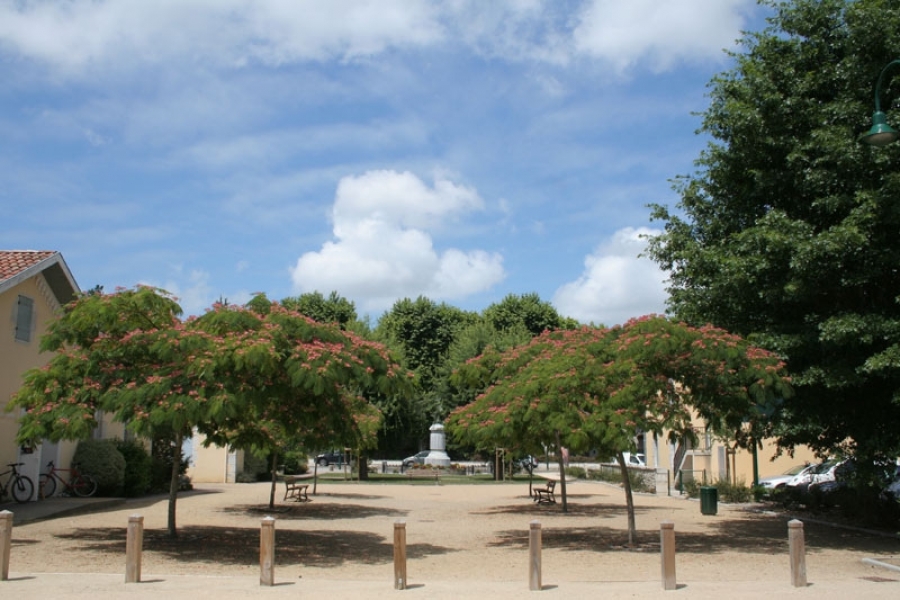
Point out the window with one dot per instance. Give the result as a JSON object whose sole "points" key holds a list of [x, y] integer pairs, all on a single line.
{"points": [[24, 319]]}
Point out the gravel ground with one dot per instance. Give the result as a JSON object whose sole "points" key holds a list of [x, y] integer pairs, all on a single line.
{"points": [[470, 539]]}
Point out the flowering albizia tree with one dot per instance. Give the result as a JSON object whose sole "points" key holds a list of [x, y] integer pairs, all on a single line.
{"points": [[235, 375], [597, 388]]}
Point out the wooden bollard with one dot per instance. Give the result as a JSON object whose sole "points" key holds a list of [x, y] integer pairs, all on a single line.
{"points": [[798, 553], [6, 523], [399, 555], [667, 550], [134, 546], [267, 552], [534, 557]]}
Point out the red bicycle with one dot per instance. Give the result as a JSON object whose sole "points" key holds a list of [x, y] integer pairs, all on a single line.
{"points": [[80, 484]]}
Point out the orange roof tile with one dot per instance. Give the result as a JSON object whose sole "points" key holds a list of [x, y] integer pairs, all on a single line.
{"points": [[13, 262]]}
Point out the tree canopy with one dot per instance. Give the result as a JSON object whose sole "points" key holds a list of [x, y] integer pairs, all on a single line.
{"points": [[597, 388], [787, 232], [248, 377]]}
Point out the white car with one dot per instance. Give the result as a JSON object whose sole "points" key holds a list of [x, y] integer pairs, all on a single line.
{"points": [[819, 473], [777, 482]]}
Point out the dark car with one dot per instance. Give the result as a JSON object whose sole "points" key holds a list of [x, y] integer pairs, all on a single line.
{"points": [[331, 458]]}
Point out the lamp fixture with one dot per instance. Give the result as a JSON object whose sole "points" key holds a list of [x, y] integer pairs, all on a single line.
{"points": [[881, 134]]}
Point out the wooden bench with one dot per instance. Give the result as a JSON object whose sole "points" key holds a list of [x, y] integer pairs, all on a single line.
{"points": [[294, 489], [545, 495], [424, 474]]}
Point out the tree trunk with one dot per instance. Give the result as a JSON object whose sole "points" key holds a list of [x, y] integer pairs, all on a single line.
{"points": [[274, 479], [175, 483], [562, 474], [362, 467], [629, 500], [315, 476]]}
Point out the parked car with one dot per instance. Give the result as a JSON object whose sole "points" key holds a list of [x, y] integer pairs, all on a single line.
{"points": [[331, 458], [815, 475], [417, 459], [778, 482], [635, 460], [527, 463]]}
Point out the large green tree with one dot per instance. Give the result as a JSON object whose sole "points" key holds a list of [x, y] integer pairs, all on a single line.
{"points": [[787, 233], [333, 309], [421, 332], [596, 388]]}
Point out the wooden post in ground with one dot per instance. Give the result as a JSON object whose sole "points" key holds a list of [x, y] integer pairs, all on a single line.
{"points": [[6, 524], [667, 549], [798, 553], [134, 546], [399, 555], [534, 557], [267, 552]]}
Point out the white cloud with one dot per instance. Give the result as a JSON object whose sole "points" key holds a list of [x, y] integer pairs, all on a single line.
{"points": [[616, 284], [383, 249], [85, 34], [89, 37], [661, 33]]}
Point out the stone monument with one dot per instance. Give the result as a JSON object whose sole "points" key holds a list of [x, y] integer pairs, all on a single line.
{"points": [[437, 450]]}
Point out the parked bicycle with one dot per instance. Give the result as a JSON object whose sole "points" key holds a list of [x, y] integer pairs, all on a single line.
{"points": [[79, 484], [19, 486]]}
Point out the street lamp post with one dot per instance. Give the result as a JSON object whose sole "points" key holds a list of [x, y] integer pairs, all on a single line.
{"points": [[881, 134]]}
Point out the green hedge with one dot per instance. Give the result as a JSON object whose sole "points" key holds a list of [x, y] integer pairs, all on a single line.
{"points": [[138, 468], [102, 460]]}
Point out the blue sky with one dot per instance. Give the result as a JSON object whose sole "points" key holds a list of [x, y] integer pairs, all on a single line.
{"points": [[462, 150]]}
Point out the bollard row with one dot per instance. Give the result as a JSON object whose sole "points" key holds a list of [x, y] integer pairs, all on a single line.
{"points": [[135, 537]]}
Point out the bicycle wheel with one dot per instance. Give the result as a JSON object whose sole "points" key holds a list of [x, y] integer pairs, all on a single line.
{"points": [[22, 489], [84, 486], [47, 485]]}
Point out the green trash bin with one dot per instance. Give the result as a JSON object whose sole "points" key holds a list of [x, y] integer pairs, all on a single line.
{"points": [[709, 500]]}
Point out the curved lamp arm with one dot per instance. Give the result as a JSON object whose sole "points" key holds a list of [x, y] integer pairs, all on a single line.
{"points": [[881, 134]]}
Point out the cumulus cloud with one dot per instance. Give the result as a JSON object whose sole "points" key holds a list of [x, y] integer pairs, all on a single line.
{"points": [[383, 249], [662, 33], [616, 284]]}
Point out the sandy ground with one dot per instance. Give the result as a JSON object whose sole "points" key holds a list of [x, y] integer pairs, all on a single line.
{"points": [[468, 540]]}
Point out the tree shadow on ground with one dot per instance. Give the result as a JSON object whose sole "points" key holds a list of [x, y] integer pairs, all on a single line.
{"points": [[603, 511], [753, 534], [315, 510], [240, 546]]}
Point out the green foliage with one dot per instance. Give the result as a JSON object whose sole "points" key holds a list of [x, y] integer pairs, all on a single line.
{"points": [[334, 309], [256, 468], [295, 462], [527, 312], [641, 481], [576, 472], [138, 468], [422, 331], [102, 460], [598, 387], [733, 492], [787, 232], [163, 453]]}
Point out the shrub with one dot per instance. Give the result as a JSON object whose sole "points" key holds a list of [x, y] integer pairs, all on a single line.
{"points": [[163, 454], [576, 472], [102, 460], [733, 492], [726, 491], [138, 468], [296, 462], [256, 468], [641, 480]]}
